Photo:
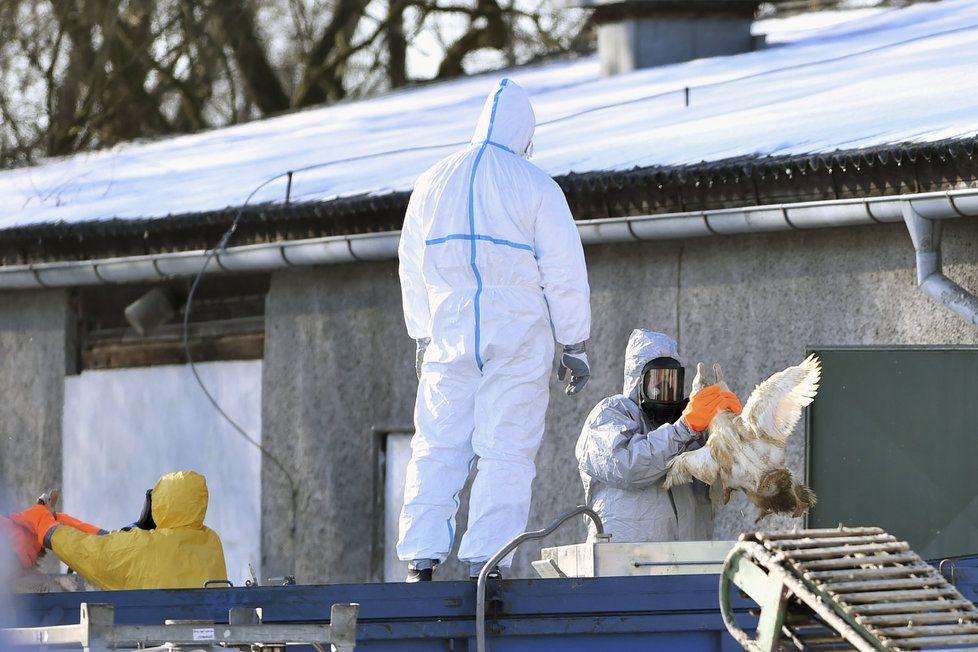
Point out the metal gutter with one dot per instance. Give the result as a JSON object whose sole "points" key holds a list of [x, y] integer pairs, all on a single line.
{"points": [[921, 213], [264, 257], [753, 219]]}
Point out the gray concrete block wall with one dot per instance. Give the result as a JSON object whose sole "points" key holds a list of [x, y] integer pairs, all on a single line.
{"points": [[36, 350], [339, 361]]}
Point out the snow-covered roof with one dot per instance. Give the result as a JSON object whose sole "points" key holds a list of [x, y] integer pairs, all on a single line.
{"points": [[890, 76]]}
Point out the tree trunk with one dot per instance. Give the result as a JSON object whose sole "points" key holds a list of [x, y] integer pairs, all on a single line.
{"points": [[128, 40], [64, 122], [237, 20], [396, 44]]}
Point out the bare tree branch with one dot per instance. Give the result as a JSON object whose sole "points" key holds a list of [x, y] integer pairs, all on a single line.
{"points": [[486, 30], [325, 64], [237, 18], [80, 74]]}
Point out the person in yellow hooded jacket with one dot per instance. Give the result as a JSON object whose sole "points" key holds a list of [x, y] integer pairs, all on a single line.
{"points": [[180, 552]]}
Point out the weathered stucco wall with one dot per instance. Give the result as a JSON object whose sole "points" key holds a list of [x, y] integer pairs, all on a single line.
{"points": [[337, 364], [36, 350], [338, 360]]}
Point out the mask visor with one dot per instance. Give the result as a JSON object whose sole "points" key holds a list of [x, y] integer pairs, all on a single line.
{"points": [[663, 385]]}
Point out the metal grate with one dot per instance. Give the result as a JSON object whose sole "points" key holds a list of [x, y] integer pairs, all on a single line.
{"points": [[847, 588]]}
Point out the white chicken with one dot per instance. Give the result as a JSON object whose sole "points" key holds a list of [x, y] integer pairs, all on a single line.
{"points": [[747, 451]]}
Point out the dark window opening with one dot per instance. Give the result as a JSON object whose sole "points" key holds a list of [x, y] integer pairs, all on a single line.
{"points": [[227, 323]]}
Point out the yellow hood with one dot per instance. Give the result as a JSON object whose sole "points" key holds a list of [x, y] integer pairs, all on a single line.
{"points": [[180, 553], [180, 500]]}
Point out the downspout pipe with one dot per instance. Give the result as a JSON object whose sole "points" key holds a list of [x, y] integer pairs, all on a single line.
{"points": [[925, 232]]}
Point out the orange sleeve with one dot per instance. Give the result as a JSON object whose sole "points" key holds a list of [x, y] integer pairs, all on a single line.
{"points": [[71, 521], [38, 519]]}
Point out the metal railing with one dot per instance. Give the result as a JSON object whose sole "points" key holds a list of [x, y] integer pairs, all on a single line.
{"points": [[480, 608], [97, 631]]}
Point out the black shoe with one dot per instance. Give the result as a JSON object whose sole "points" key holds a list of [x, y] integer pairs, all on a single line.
{"points": [[421, 570], [476, 567]]}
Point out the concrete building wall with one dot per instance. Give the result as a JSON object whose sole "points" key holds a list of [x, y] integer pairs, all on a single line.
{"points": [[337, 363], [338, 360], [36, 350]]}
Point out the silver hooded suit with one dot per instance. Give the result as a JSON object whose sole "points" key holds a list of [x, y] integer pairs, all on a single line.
{"points": [[622, 460]]}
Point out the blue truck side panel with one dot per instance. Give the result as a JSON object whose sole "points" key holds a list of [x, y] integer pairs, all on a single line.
{"points": [[678, 612], [667, 613]]}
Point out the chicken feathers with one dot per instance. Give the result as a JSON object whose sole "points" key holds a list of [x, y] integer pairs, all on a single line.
{"points": [[747, 452], [774, 407]]}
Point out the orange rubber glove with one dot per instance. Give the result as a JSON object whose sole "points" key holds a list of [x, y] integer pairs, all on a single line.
{"points": [[38, 519], [705, 404], [25, 531], [21, 540], [71, 521]]}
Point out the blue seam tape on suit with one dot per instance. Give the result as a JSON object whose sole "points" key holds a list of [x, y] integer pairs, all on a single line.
{"points": [[479, 236], [472, 232], [499, 145], [473, 237]]}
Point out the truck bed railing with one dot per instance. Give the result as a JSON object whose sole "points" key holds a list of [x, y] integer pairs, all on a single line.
{"points": [[96, 631], [480, 609]]}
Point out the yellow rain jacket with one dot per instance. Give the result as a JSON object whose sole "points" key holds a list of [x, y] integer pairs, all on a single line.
{"points": [[180, 553]]}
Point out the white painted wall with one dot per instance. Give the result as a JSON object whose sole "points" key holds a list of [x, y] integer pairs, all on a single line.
{"points": [[124, 428]]}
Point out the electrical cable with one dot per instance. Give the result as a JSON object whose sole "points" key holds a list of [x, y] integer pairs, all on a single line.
{"points": [[221, 245]]}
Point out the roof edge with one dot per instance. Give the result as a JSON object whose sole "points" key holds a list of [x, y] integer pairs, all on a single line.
{"points": [[265, 258], [895, 169]]}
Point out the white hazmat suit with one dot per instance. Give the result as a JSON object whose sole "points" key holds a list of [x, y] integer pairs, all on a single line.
{"points": [[622, 458], [492, 270]]}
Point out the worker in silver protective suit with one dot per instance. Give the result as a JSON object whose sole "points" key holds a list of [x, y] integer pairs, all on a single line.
{"points": [[628, 439]]}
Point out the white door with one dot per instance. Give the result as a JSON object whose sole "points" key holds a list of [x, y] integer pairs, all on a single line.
{"points": [[398, 454]]}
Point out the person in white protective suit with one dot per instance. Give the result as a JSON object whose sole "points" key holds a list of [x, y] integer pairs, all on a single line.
{"points": [[628, 439], [492, 272]]}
